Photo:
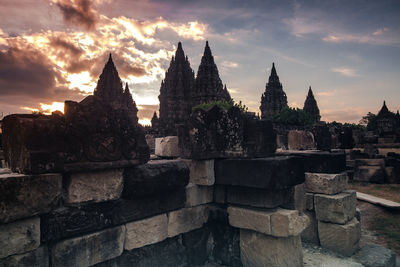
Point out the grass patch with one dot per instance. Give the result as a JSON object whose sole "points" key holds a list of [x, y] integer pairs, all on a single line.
{"points": [[386, 191], [389, 227]]}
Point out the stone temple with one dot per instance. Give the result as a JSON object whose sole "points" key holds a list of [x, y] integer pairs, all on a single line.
{"points": [[180, 90], [311, 107], [274, 98]]}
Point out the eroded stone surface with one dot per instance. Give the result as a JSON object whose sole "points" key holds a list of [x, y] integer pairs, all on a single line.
{"points": [[310, 234], [309, 201], [374, 255], [94, 186], [301, 140], [286, 223], [167, 146], [339, 208], [36, 258], [257, 249], [274, 173], [198, 195], [201, 171], [256, 220], [19, 237], [259, 197], [28, 195], [187, 219], [89, 249], [145, 232], [155, 177], [343, 239], [325, 183]]}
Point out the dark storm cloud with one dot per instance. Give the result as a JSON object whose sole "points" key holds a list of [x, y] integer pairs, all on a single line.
{"points": [[126, 68], [26, 72], [65, 45], [78, 12]]}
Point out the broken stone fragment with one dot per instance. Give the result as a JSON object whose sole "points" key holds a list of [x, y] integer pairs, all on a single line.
{"points": [[339, 208], [325, 183]]}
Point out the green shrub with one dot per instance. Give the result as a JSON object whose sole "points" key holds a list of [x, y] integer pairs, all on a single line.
{"points": [[292, 116], [222, 104]]}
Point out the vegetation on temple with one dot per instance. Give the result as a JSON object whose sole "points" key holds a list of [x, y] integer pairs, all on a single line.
{"points": [[292, 116], [225, 104]]}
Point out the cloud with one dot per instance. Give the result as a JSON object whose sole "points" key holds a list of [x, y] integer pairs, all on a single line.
{"points": [[78, 12], [327, 93], [352, 115], [349, 72], [229, 64]]}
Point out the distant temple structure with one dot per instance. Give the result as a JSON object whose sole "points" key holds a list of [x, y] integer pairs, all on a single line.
{"points": [[274, 98], [311, 107], [180, 90], [387, 122]]}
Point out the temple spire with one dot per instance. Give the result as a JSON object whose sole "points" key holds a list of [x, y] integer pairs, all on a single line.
{"points": [[384, 110], [274, 98], [109, 86], [311, 107]]}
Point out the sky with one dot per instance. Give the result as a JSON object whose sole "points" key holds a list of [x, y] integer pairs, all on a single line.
{"points": [[348, 51]]}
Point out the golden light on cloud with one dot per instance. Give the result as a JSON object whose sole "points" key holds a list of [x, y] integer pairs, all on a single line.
{"points": [[145, 122], [55, 106], [82, 80]]}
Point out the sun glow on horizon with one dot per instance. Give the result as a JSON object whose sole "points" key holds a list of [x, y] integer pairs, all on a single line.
{"points": [[145, 121]]}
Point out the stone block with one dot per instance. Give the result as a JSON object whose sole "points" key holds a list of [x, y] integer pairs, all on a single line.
{"points": [[320, 162], [256, 220], [309, 201], [301, 140], [310, 234], [220, 194], [259, 197], [72, 221], [257, 249], [391, 176], [370, 162], [198, 195], [24, 196], [325, 183], [94, 186], [89, 249], [187, 219], [358, 214], [169, 252], [145, 232], [167, 146], [36, 258], [370, 174], [201, 171], [339, 208], [19, 237], [155, 177], [300, 197], [273, 173], [286, 223], [343, 239], [376, 256]]}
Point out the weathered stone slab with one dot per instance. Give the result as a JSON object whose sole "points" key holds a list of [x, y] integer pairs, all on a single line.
{"points": [[89, 249], [274, 173], [320, 162], [220, 194], [372, 255], [94, 186], [198, 195], [259, 197], [19, 237], [325, 183], [343, 239], [301, 140], [187, 219], [286, 223], [300, 197], [201, 171], [309, 201], [169, 252], [310, 234], [73, 221], [371, 174], [155, 177], [167, 146], [28, 195], [36, 258], [256, 220], [257, 249], [146, 232], [370, 162], [339, 208]]}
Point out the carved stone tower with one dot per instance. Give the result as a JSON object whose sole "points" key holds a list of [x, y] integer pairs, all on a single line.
{"points": [[209, 86], [274, 98], [176, 93], [311, 107]]}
